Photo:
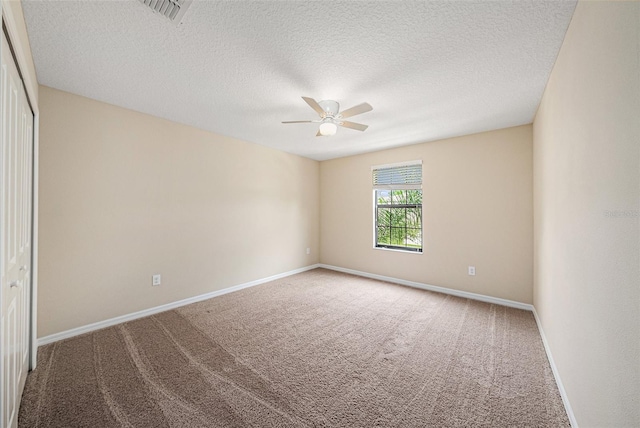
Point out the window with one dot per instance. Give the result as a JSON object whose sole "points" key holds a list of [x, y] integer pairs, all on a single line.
{"points": [[397, 192]]}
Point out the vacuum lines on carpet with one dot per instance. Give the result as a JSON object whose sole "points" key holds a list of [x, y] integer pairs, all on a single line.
{"points": [[317, 349]]}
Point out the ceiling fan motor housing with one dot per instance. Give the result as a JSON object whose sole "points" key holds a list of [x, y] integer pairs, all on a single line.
{"points": [[330, 107]]}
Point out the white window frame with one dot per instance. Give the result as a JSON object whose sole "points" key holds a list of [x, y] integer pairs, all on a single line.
{"points": [[396, 187]]}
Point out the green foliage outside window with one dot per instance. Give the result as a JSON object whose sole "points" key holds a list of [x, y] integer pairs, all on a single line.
{"points": [[399, 219]]}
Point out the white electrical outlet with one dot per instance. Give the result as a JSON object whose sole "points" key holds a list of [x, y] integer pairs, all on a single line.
{"points": [[472, 270], [156, 279], [308, 250]]}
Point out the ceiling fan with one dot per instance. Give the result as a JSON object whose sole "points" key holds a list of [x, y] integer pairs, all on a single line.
{"points": [[331, 116]]}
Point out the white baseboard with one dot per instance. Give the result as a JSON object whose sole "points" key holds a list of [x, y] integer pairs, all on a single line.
{"points": [[458, 293], [488, 299], [556, 375], [146, 312]]}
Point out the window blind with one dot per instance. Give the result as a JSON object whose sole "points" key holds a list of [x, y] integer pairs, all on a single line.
{"points": [[398, 176]]}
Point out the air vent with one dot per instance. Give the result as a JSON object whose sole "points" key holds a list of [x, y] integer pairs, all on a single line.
{"points": [[173, 10]]}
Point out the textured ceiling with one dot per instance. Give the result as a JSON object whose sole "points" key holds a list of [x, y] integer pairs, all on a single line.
{"points": [[430, 69]]}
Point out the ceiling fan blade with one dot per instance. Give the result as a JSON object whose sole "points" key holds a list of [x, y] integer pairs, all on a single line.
{"points": [[299, 121], [359, 109], [353, 125], [314, 105]]}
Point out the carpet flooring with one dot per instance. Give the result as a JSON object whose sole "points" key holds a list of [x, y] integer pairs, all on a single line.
{"points": [[317, 349]]}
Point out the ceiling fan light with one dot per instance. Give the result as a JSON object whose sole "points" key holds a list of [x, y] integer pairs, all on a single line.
{"points": [[328, 128]]}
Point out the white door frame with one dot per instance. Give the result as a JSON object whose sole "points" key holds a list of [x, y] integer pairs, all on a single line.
{"points": [[11, 13]]}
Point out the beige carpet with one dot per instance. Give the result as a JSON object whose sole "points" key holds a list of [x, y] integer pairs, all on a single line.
{"points": [[315, 349]]}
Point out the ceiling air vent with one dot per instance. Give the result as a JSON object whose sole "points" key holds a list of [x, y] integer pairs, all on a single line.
{"points": [[173, 10]]}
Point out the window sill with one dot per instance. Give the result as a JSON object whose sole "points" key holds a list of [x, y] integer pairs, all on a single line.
{"points": [[398, 250]]}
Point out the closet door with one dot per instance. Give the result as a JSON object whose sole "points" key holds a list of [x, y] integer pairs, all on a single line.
{"points": [[16, 160]]}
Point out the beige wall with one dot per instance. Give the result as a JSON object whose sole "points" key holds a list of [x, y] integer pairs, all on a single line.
{"points": [[124, 195], [477, 193], [587, 262]]}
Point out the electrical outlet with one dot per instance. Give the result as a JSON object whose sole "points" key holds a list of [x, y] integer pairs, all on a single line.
{"points": [[156, 279], [472, 270], [308, 250]]}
